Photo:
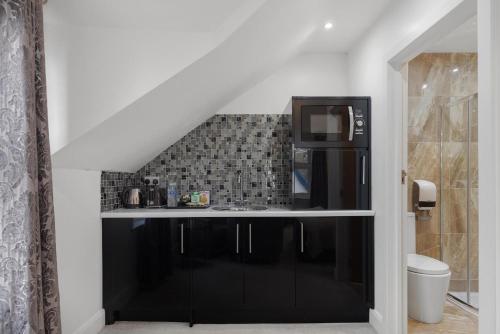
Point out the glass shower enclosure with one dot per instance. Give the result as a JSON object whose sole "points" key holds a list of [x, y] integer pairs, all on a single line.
{"points": [[459, 196]]}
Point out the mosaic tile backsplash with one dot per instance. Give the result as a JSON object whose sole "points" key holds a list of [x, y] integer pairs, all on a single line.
{"points": [[112, 186], [210, 157]]}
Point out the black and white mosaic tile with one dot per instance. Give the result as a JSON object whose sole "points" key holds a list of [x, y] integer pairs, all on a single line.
{"points": [[112, 186], [210, 157]]}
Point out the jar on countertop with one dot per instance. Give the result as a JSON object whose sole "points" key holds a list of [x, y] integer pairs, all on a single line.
{"points": [[195, 197]]}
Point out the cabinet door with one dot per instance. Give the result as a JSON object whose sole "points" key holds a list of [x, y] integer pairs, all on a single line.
{"points": [[333, 272], [149, 265], [269, 263], [217, 269]]}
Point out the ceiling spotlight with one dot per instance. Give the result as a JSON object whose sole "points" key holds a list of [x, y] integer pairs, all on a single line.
{"points": [[424, 86], [455, 70], [328, 25]]}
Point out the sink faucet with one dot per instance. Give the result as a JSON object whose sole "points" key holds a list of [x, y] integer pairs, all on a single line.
{"points": [[240, 183]]}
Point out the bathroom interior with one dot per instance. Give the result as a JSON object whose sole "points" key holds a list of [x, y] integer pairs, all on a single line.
{"points": [[442, 148]]}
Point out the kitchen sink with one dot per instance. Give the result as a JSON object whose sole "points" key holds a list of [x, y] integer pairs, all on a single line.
{"points": [[240, 208], [258, 207]]}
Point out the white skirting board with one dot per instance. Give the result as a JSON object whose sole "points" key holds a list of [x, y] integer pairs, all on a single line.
{"points": [[94, 325], [377, 321]]}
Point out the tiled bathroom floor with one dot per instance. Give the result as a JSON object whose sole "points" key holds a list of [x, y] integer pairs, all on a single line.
{"points": [[455, 320], [474, 297], [181, 328]]}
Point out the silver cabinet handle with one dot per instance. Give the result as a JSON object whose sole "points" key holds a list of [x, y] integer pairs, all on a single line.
{"points": [[351, 123], [301, 237], [182, 238], [237, 238], [250, 238], [363, 177]]}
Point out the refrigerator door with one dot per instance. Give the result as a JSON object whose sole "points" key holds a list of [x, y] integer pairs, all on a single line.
{"points": [[331, 179]]}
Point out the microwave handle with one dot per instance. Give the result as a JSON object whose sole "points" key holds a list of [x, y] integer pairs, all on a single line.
{"points": [[351, 123]]}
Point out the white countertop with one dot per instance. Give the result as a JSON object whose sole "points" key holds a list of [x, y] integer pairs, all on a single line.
{"points": [[194, 213]]}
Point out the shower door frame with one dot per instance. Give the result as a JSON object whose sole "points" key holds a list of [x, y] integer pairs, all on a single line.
{"points": [[466, 99]]}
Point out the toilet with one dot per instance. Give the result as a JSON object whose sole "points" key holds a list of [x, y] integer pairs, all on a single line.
{"points": [[428, 281]]}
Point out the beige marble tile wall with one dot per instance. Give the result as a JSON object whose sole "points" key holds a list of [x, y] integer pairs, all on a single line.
{"points": [[440, 87]]}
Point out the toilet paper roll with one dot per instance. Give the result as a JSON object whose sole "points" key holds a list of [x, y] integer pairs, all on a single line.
{"points": [[426, 193]]}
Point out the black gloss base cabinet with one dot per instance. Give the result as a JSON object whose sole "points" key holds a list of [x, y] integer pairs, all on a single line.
{"points": [[238, 270]]}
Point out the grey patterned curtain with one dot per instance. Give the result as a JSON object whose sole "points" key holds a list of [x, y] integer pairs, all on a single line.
{"points": [[29, 296]]}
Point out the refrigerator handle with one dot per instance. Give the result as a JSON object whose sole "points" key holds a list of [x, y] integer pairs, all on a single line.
{"points": [[301, 237], [249, 238], [363, 166], [237, 238], [182, 238]]}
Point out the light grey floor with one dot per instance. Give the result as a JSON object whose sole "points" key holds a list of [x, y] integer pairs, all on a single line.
{"points": [[181, 328]]}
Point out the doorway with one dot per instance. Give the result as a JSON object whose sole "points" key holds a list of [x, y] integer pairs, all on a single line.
{"points": [[440, 135]]}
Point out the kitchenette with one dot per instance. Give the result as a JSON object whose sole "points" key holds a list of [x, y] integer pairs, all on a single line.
{"points": [[247, 219]]}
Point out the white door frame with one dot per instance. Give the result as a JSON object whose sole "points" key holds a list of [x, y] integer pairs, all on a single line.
{"points": [[446, 21], [404, 195], [489, 165]]}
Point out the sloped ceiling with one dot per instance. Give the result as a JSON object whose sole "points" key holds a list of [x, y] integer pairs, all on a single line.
{"points": [[172, 15], [276, 32]]}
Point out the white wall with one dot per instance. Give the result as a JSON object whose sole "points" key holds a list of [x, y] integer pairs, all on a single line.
{"points": [[320, 74], [91, 74], [198, 91], [57, 45], [260, 44], [79, 251], [369, 74], [95, 72]]}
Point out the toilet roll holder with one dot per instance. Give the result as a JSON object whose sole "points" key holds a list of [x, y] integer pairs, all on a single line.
{"points": [[424, 199]]}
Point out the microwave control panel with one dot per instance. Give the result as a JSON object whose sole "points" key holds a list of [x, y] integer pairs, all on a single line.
{"points": [[359, 122]]}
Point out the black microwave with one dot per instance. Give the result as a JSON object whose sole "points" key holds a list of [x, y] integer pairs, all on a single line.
{"points": [[329, 122]]}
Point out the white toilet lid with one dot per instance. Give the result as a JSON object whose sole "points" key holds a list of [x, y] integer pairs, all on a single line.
{"points": [[426, 265]]}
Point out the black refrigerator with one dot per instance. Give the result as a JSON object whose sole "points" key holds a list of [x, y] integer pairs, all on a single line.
{"points": [[331, 153]]}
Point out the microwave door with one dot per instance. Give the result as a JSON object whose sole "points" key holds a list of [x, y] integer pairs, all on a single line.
{"points": [[326, 123], [331, 122]]}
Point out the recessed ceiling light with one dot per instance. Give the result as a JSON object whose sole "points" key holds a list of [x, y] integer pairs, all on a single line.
{"points": [[424, 86], [455, 70], [328, 25]]}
